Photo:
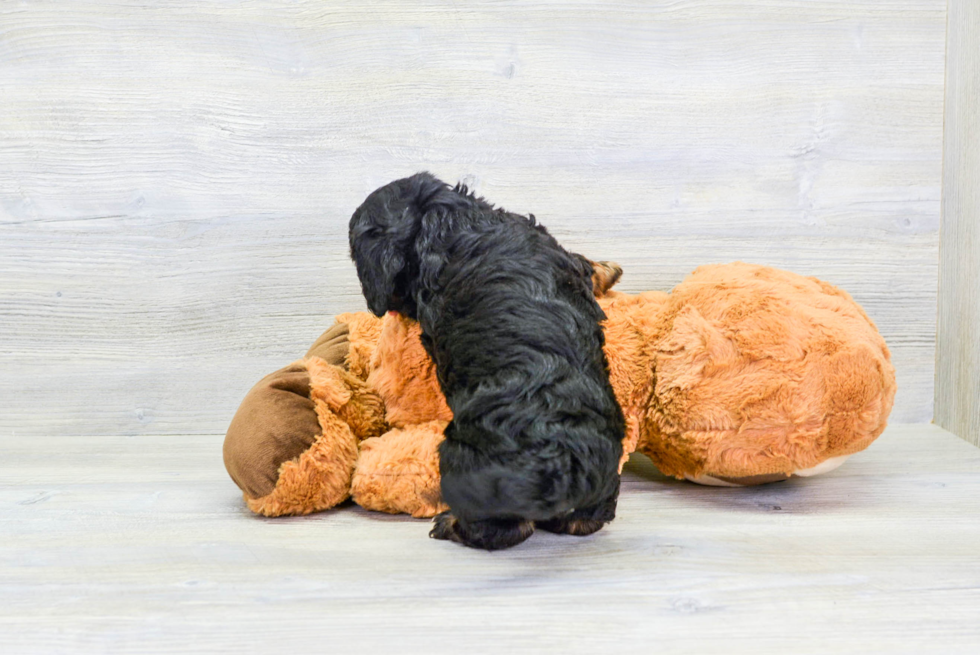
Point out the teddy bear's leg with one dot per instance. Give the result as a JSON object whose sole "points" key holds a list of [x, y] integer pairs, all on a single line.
{"points": [[318, 479], [292, 445], [488, 534], [399, 471], [276, 422], [321, 476], [584, 521]]}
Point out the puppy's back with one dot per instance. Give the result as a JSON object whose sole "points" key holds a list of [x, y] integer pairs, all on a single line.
{"points": [[518, 346]]}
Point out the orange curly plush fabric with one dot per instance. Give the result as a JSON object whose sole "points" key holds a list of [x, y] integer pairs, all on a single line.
{"points": [[399, 471], [321, 476], [364, 334], [405, 376], [760, 372], [743, 374]]}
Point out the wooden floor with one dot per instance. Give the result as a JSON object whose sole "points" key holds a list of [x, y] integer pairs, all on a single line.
{"points": [[142, 544]]}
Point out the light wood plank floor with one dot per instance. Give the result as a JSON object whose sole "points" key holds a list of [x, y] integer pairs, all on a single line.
{"points": [[142, 544]]}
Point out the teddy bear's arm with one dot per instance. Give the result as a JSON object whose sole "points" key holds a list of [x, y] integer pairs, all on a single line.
{"points": [[398, 472]]}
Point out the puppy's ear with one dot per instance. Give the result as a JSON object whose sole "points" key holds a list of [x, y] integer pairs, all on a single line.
{"points": [[382, 235], [379, 268]]}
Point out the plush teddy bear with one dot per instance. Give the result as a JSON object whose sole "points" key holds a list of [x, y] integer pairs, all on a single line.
{"points": [[741, 375]]}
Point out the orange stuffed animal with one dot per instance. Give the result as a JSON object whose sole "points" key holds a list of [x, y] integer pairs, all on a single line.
{"points": [[741, 375]]}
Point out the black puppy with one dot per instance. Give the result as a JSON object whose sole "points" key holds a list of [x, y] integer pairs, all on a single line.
{"points": [[510, 319]]}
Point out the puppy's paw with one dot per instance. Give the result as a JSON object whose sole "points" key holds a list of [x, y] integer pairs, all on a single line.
{"points": [[567, 525], [583, 521], [446, 527], [486, 534]]}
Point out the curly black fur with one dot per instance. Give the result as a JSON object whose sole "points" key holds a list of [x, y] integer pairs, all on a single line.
{"points": [[510, 320]]}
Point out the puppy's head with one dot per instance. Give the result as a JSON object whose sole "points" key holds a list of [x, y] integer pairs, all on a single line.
{"points": [[383, 235]]}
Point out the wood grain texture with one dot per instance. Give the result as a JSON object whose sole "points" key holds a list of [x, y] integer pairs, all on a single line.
{"points": [[176, 178], [143, 545], [958, 354]]}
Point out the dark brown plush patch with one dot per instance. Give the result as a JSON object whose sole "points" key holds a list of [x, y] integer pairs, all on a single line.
{"points": [[333, 345]]}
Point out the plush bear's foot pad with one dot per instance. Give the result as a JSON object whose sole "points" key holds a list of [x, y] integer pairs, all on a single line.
{"points": [[487, 534]]}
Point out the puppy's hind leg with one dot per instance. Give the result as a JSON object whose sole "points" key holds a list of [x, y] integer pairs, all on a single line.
{"points": [[583, 521], [488, 534]]}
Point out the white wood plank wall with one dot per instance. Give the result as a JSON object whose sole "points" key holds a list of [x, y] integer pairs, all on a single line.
{"points": [[958, 357], [176, 177]]}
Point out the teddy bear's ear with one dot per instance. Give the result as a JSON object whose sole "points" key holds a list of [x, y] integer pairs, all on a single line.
{"points": [[604, 276]]}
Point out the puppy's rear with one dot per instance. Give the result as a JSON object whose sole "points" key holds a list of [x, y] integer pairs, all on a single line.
{"points": [[511, 322]]}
